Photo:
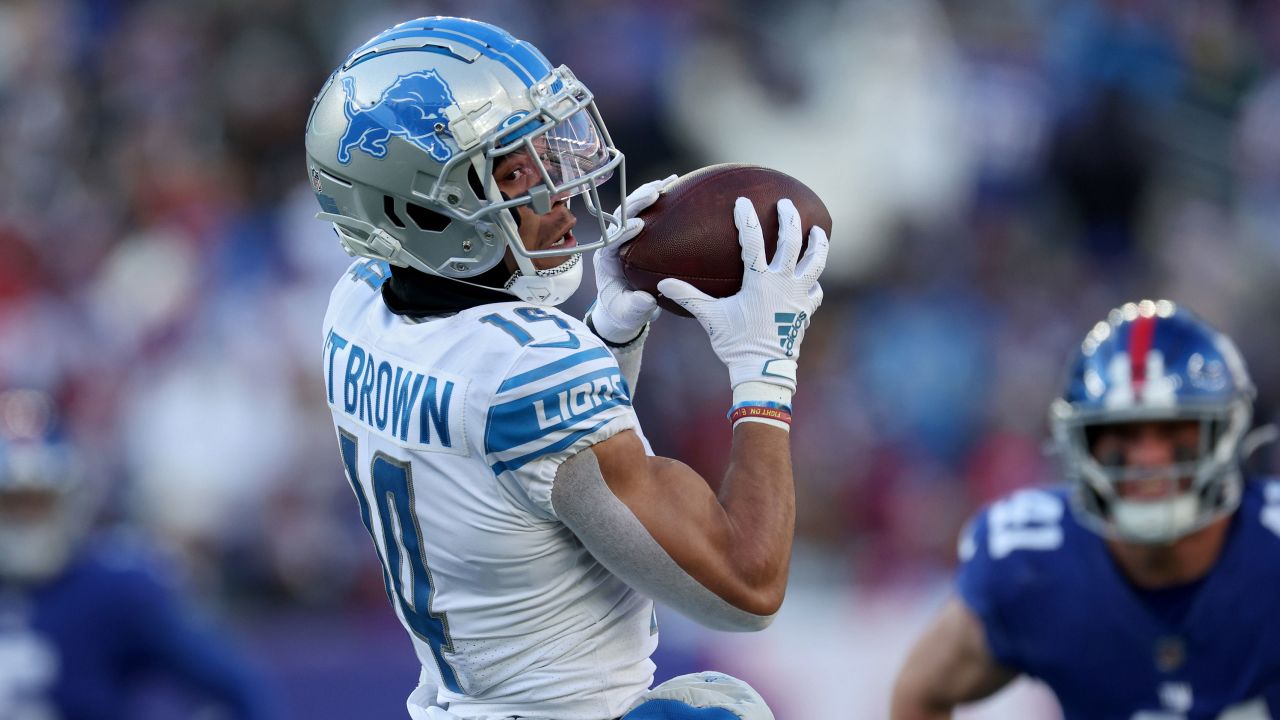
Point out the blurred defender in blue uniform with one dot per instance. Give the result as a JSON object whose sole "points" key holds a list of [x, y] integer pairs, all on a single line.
{"points": [[1150, 588], [85, 623]]}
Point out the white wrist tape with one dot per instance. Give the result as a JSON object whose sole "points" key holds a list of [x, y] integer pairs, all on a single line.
{"points": [[756, 392], [761, 402]]}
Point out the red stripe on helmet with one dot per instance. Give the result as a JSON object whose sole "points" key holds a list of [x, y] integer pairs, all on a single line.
{"points": [[1140, 336]]}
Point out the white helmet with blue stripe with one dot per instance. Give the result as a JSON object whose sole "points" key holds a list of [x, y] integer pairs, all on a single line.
{"points": [[403, 138], [1152, 361]]}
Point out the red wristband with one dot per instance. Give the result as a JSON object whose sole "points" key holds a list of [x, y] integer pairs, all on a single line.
{"points": [[759, 412]]}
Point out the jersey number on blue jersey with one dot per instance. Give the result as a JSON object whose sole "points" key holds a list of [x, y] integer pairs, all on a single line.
{"points": [[392, 484], [1029, 520]]}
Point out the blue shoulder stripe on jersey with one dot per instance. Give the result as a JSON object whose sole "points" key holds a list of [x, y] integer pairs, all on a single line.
{"points": [[552, 368], [517, 463], [521, 58], [527, 419]]}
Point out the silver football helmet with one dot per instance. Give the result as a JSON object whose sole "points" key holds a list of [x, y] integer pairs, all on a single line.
{"points": [[403, 138]]}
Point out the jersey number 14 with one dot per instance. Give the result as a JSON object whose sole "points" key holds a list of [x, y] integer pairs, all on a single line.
{"points": [[392, 484]]}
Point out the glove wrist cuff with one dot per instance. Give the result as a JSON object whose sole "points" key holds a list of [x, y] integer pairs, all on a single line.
{"points": [[757, 392], [626, 346]]}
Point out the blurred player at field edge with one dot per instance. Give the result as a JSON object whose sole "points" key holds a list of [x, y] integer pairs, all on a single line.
{"points": [[86, 623], [1148, 589]]}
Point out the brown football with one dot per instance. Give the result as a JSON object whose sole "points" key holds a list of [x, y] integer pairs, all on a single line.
{"points": [[689, 232]]}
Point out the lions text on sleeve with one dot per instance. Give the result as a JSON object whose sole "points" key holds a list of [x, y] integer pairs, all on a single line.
{"points": [[451, 430], [1054, 605]]}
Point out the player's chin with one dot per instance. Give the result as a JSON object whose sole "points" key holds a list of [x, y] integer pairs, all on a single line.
{"points": [[552, 262]]}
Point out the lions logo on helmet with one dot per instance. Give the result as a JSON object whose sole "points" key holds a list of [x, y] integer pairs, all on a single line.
{"points": [[412, 108], [1153, 361]]}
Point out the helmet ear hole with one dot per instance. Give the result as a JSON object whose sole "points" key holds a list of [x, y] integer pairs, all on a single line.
{"points": [[1216, 429], [473, 179], [427, 219], [1091, 433], [389, 209], [1096, 501]]}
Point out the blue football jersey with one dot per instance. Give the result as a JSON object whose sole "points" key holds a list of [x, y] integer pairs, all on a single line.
{"points": [[1056, 606], [80, 645]]}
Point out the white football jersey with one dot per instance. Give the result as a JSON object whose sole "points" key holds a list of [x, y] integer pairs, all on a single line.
{"points": [[451, 430]]}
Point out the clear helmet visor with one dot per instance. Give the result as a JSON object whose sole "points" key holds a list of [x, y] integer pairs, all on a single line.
{"points": [[572, 151], [571, 156], [564, 158]]}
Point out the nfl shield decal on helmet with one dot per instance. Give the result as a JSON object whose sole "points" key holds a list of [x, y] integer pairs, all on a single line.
{"points": [[412, 108]]}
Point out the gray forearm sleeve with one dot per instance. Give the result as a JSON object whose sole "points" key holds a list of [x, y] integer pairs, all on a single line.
{"points": [[628, 357], [616, 537]]}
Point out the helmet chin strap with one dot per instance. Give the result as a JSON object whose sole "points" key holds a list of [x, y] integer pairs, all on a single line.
{"points": [[543, 287], [1154, 521], [546, 287]]}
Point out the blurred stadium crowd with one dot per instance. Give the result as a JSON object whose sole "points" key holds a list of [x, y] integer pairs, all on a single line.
{"points": [[1000, 172]]}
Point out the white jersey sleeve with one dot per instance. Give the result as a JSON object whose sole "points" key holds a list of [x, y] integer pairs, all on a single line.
{"points": [[557, 399]]}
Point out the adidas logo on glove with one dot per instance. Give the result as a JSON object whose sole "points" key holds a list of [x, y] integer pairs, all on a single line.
{"points": [[789, 327]]}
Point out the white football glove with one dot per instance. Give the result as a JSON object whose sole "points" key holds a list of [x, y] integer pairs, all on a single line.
{"points": [[619, 312], [757, 332]]}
